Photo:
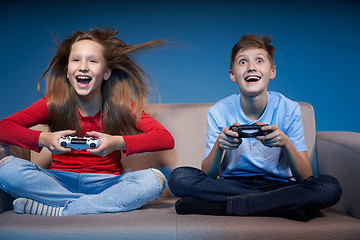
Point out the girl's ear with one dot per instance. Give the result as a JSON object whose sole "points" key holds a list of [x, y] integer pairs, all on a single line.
{"points": [[107, 74]]}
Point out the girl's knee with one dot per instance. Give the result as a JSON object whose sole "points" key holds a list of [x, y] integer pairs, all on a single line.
{"points": [[16, 162], [12, 166], [11, 163], [5, 159], [160, 177]]}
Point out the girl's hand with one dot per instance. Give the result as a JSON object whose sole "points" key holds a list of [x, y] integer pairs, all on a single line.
{"points": [[228, 139], [276, 137], [50, 140], [108, 143]]}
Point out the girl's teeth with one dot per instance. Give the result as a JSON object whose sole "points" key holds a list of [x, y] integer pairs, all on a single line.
{"points": [[83, 79]]}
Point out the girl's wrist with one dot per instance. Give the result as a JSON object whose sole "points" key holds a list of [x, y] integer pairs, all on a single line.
{"points": [[43, 139], [120, 143]]}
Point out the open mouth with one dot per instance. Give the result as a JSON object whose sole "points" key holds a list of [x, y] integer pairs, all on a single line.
{"points": [[83, 80], [250, 79]]}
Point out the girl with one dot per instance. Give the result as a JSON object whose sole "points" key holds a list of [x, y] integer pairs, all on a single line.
{"points": [[93, 88]]}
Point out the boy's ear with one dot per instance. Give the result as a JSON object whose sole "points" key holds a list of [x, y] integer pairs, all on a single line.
{"points": [[273, 72], [232, 77]]}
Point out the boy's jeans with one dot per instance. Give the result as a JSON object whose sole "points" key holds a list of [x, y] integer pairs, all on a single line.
{"points": [[79, 193], [256, 195]]}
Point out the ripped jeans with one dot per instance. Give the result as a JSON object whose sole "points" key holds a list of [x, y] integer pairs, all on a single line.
{"points": [[79, 193]]}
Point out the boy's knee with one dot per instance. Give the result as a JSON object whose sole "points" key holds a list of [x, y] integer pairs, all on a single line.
{"points": [[334, 189], [181, 179], [328, 189], [185, 172], [328, 182], [177, 175]]}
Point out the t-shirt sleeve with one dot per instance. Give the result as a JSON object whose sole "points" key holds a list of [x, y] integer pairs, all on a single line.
{"points": [[212, 132], [295, 129]]}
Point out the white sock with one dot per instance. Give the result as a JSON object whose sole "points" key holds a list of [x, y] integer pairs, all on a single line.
{"points": [[24, 205]]}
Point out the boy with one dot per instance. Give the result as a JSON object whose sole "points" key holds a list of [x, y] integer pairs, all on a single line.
{"points": [[268, 175]]}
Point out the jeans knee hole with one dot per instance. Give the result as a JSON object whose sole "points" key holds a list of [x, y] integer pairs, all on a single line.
{"points": [[160, 177], [4, 160]]}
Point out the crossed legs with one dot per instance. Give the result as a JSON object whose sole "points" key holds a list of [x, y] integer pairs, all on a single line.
{"points": [[77, 193]]}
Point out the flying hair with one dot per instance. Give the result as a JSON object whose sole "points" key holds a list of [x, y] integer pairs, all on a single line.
{"points": [[124, 95]]}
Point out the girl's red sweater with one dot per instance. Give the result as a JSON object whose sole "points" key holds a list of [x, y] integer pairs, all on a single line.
{"points": [[14, 130]]}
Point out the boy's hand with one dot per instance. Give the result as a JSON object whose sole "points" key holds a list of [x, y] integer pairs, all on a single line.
{"points": [[276, 137], [108, 144], [228, 139], [50, 140]]}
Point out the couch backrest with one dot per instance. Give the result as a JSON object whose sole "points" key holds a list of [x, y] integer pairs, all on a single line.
{"points": [[187, 123]]}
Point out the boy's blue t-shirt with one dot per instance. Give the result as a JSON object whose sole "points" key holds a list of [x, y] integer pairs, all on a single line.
{"points": [[252, 157]]}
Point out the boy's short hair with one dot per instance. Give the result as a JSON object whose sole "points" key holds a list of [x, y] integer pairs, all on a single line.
{"points": [[253, 41]]}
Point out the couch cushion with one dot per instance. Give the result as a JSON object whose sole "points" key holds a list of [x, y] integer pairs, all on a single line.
{"points": [[187, 123], [158, 220]]}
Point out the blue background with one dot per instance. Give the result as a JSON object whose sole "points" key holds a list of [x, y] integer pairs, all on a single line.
{"points": [[317, 42]]}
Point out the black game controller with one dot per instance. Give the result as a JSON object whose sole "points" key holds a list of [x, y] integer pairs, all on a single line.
{"points": [[249, 131]]}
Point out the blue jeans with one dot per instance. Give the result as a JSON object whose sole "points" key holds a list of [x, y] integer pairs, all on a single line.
{"points": [[79, 193], [256, 195]]}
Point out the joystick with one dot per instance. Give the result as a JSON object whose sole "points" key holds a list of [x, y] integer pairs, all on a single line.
{"points": [[249, 131], [79, 143]]}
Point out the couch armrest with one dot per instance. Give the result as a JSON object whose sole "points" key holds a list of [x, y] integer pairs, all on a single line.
{"points": [[338, 154]]}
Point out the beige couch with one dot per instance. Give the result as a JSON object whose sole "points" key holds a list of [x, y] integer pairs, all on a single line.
{"points": [[335, 153]]}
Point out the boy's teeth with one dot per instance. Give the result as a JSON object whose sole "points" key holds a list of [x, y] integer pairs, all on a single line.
{"points": [[252, 78]]}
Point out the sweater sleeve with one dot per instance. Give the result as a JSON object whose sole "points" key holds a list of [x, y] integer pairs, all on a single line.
{"points": [[154, 137], [14, 130]]}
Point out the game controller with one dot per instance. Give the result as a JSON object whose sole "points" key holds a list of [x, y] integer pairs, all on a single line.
{"points": [[76, 143], [249, 131]]}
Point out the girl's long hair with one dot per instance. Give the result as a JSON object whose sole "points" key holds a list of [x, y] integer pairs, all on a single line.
{"points": [[124, 95]]}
